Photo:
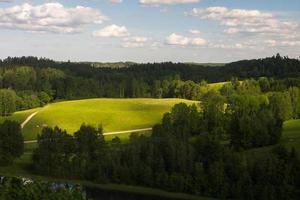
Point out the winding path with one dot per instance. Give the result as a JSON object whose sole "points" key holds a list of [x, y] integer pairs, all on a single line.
{"points": [[28, 119]]}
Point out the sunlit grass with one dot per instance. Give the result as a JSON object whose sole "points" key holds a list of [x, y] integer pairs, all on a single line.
{"points": [[112, 114]]}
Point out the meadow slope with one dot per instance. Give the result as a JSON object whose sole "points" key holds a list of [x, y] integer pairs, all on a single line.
{"points": [[112, 114]]}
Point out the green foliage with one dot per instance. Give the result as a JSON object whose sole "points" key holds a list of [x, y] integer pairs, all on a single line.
{"points": [[276, 175], [182, 122], [21, 78], [55, 146], [8, 100], [38, 81], [253, 122], [213, 106], [27, 100], [187, 151], [16, 188], [44, 98], [70, 156], [249, 87], [169, 161], [294, 93], [281, 105], [11, 142]]}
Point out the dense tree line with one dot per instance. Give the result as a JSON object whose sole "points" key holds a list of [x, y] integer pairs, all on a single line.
{"points": [[38, 81], [285, 97], [275, 66], [194, 150]]}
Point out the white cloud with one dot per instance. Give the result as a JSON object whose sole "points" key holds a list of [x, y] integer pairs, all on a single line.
{"points": [[49, 17], [245, 21], [242, 26], [166, 2], [133, 42], [112, 31], [175, 39]]}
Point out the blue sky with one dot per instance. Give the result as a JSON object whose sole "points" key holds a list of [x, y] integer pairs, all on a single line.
{"points": [[150, 30]]}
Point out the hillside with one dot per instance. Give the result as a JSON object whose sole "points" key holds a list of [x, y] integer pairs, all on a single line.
{"points": [[112, 114]]}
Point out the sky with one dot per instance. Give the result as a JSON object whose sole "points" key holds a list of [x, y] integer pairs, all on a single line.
{"points": [[201, 31]]}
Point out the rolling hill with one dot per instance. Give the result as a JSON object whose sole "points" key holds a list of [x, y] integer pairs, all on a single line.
{"points": [[112, 114]]}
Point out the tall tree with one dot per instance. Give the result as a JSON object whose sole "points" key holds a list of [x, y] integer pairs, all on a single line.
{"points": [[11, 142], [8, 100], [213, 106]]}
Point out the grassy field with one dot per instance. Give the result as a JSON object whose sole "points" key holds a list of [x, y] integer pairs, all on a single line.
{"points": [[112, 114]]}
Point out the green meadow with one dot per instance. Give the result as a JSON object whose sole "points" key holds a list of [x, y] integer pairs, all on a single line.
{"points": [[111, 114]]}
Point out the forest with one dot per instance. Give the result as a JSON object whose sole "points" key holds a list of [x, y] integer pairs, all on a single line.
{"points": [[200, 149], [202, 152], [28, 82]]}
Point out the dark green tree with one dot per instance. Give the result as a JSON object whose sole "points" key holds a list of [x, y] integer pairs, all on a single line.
{"points": [[11, 142]]}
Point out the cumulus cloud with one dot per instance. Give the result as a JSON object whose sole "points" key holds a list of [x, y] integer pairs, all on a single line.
{"points": [[49, 17], [112, 31], [122, 32], [242, 26], [165, 2], [133, 42], [245, 21], [175, 39]]}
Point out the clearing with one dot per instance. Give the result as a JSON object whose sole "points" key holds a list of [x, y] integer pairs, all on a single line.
{"points": [[114, 115]]}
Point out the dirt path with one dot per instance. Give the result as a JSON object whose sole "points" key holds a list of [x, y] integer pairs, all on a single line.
{"points": [[129, 131], [108, 133], [28, 119], [31, 116]]}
